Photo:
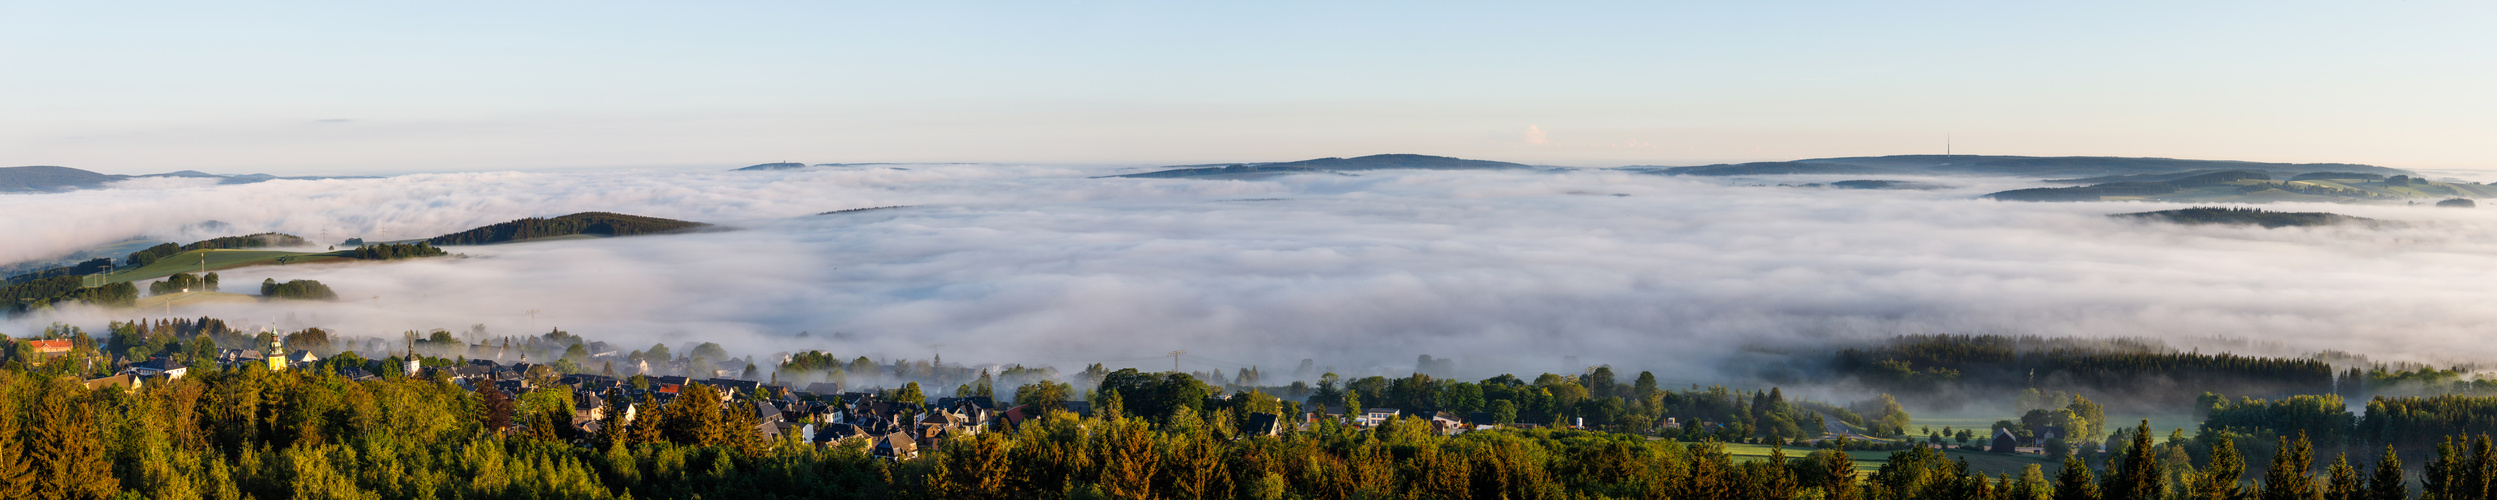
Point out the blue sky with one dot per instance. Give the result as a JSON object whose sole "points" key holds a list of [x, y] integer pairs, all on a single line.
{"points": [[341, 87]]}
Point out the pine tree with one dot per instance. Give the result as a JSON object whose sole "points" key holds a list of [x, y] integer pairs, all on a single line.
{"points": [[1841, 468], [2218, 481], [17, 480], [2481, 471], [2075, 481], [2388, 483], [2032, 485], [2437, 482], [2139, 477], [70, 460], [646, 423], [2345, 484], [2288, 479]]}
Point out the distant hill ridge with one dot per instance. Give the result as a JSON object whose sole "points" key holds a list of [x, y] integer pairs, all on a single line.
{"points": [[44, 179], [2020, 166], [584, 223], [800, 166], [1372, 162]]}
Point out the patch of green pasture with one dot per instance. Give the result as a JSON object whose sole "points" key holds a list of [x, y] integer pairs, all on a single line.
{"points": [[1868, 461]]}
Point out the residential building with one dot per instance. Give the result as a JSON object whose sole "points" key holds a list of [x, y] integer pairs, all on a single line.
{"points": [[52, 347], [164, 367]]}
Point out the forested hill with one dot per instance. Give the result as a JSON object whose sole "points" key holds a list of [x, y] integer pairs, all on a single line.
{"points": [[2243, 216], [2017, 166], [585, 223]]}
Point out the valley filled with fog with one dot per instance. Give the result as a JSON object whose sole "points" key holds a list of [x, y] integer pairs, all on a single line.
{"points": [[1695, 279]]}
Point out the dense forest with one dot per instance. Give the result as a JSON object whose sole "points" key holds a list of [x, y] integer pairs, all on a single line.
{"points": [[296, 290], [45, 292], [2243, 216], [2126, 374], [97, 265], [395, 251], [590, 223]]}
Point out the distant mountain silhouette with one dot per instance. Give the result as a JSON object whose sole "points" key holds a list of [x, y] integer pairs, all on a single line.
{"points": [[49, 178], [2105, 168], [798, 166], [1372, 162], [41, 179]]}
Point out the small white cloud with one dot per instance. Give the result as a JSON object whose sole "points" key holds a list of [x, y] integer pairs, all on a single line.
{"points": [[1534, 135]]}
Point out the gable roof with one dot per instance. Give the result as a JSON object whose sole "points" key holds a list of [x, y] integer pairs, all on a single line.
{"points": [[1261, 423], [898, 442], [51, 346], [158, 364]]}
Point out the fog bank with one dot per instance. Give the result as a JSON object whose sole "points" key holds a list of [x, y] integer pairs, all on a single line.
{"points": [[1505, 271]]}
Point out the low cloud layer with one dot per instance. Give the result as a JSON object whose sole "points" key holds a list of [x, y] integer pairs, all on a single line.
{"points": [[1505, 271]]}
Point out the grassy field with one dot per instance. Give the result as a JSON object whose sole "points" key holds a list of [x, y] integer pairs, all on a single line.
{"points": [[186, 262], [1868, 461], [1865, 461]]}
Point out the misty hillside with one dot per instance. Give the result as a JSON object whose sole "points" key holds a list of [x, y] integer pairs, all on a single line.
{"points": [[2016, 166], [584, 224], [1372, 162], [2243, 217], [775, 166]]}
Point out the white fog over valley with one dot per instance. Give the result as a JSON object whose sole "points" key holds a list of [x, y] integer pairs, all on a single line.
{"points": [[1506, 271]]}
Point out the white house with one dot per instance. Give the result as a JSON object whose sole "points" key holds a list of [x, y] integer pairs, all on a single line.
{"points": [[160, 366]]}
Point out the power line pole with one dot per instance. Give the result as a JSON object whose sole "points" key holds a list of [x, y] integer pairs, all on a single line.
{"points": [[1174, 360]]}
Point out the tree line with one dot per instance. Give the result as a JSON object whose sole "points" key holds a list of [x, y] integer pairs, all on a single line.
{"points": [[2128, 374], [296, 290], [262, 240], [395, 251], [46, 292], [92, 266], [183, 281]]}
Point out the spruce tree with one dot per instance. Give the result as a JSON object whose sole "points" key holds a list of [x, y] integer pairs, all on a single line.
{"points": [[70, 460], [2479, 472], [2075, 481], [2437, 482], [2139, 477], [2388, 483], [646, 424], [1841, 467], [2219, 480], [2345, 484], [17, 480], [2288, 479]]}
